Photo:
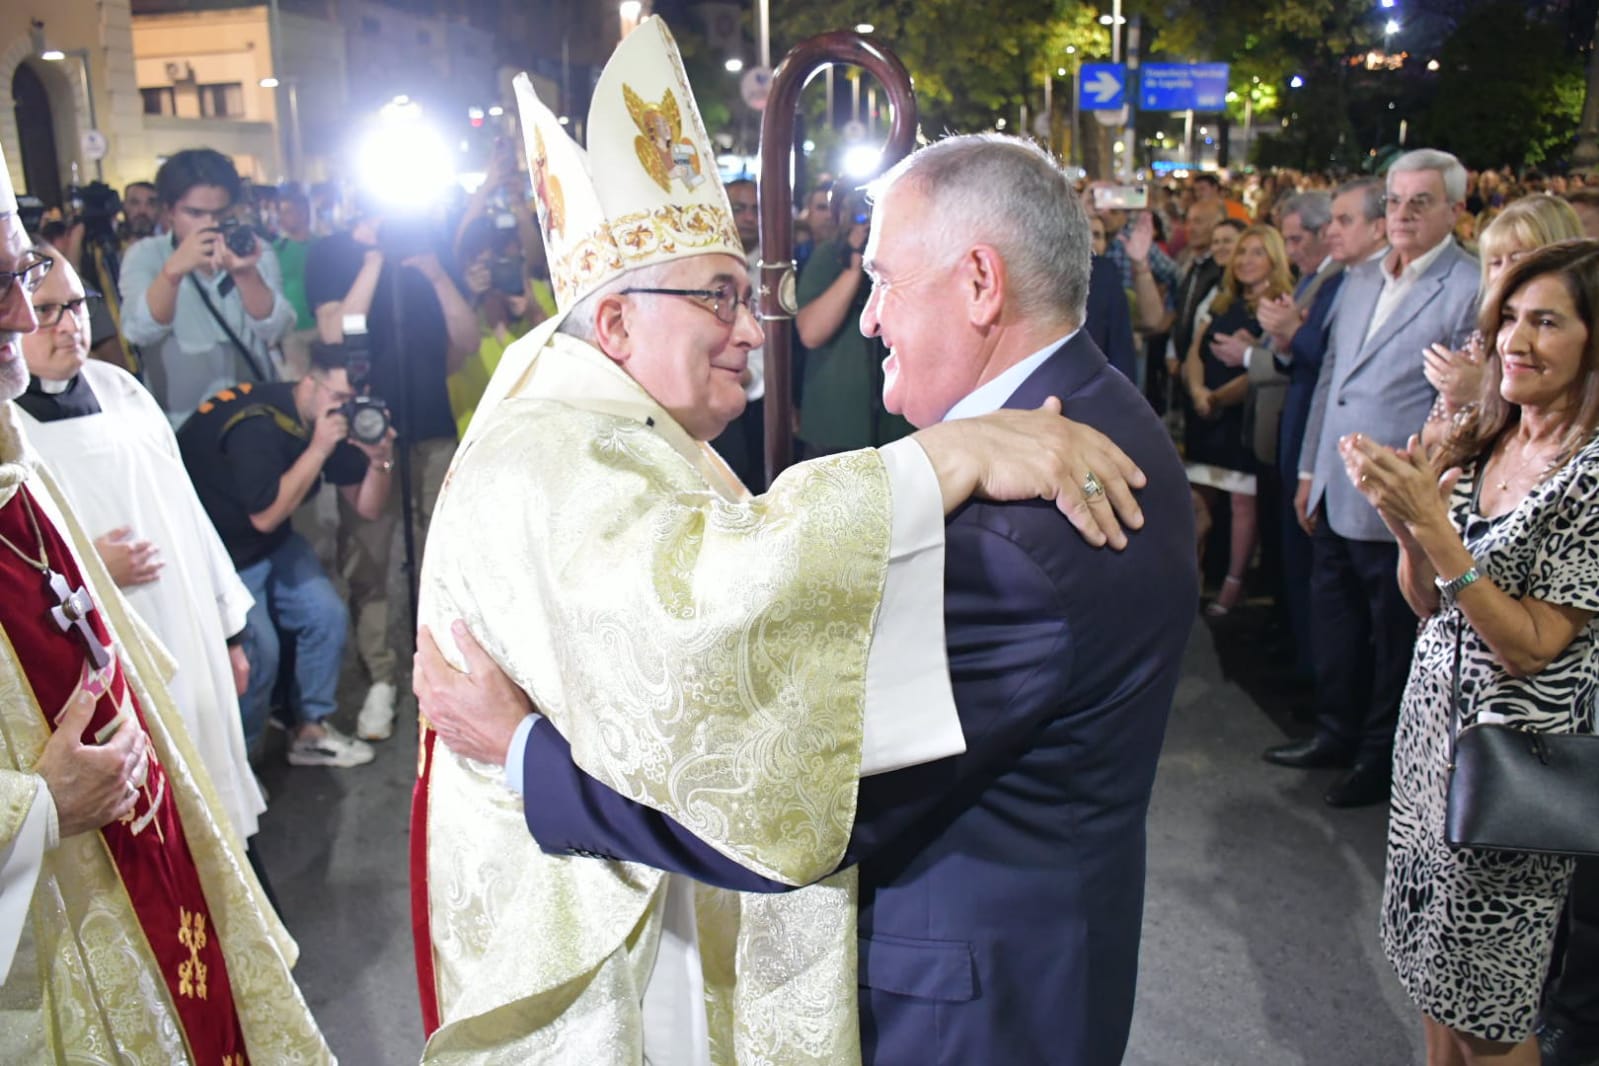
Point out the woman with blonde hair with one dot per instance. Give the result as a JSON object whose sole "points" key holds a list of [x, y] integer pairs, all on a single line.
{"points": [[1220, 457], [1519, 229]]}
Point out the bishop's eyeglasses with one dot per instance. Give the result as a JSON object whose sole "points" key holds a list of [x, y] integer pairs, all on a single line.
{"points": [[31, 274], [722, 301]]}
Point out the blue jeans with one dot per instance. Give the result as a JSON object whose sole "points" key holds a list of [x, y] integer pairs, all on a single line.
{"points": [[294, 600]]}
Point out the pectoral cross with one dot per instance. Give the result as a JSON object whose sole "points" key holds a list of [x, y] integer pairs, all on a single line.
{"points": [[72, 612]]}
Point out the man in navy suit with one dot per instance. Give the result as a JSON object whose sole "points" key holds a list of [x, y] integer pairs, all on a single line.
{"points": [[1001, 890], [1354, 233]]}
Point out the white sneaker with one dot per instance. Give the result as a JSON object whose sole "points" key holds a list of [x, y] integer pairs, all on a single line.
{"points": [[332, 748], [376, 720]]}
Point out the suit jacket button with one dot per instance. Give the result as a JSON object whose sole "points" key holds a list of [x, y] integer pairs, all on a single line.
{"points": [[1342, 403]]}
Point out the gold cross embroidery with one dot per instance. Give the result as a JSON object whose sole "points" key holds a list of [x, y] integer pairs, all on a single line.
{"points": [[191, 972]]}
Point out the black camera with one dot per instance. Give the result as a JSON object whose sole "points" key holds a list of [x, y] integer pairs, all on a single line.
{"points": [[505, 274], [96, 205], [368, 416], [240, 236]]}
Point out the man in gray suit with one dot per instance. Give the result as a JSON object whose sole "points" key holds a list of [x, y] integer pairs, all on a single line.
{"points": [[1423, 292]]}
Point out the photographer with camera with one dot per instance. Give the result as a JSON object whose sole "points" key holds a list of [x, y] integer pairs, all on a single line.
{"points": [[359, 272], [497, 284], [255, 453], [205, 304], [843, 386]]}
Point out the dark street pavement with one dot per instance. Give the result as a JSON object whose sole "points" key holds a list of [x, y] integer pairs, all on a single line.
{"points": [[1260, 930]]}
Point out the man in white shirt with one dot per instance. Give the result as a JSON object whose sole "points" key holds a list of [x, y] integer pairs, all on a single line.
{"points": [[1424, 291], [204, 304]]}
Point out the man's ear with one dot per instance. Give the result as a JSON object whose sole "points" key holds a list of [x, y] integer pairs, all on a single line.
{"points": [[611, 334], [983, 284]]}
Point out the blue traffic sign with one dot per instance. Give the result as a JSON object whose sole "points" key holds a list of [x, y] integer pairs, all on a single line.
{"points": [[1102, 86], [1183, 87]]}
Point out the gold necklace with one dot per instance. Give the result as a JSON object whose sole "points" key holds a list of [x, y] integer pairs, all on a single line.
{"points": [[1503, 483], [42, 563]]}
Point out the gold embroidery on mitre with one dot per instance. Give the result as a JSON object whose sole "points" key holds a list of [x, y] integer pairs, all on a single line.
{"points": [[640, 238], [191, 971], [549, 201], [661, 146]]}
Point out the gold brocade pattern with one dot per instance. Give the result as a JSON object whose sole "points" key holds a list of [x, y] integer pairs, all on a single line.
{"points": [[85, 988], [191, 972], [711, 665]]}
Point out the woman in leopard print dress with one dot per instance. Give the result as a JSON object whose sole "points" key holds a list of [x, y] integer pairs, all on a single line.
{"points": [[1470, 932]]}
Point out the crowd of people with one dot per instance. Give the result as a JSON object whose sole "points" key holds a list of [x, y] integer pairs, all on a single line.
{"points": [[1362, 409]]}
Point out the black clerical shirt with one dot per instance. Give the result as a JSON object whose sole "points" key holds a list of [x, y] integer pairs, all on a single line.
{"points": [[75, 401]]}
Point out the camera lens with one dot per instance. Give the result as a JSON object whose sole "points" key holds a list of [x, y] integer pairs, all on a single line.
{"points": [[240, 239]]}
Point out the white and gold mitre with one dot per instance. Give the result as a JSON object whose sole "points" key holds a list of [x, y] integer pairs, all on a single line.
{"points": [[647, 190]]}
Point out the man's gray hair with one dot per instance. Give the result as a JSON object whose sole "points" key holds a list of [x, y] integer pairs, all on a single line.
{"points": [[1313, 208], [1448, 167], [1371, 194], [579, 321], [1009, 193]]}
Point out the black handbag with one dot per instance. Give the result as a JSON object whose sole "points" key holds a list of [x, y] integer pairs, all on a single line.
{"points": [[1515, 790]]}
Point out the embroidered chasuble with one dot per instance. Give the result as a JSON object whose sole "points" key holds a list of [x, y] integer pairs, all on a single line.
{"points": [[147, 941], [705, 654]]}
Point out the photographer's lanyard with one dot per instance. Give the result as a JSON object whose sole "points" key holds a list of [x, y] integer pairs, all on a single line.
{"points": [[249, 358]]}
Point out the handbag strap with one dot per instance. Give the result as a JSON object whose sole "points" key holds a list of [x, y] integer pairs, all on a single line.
{"points": [[249, 359], [1456, 715]]}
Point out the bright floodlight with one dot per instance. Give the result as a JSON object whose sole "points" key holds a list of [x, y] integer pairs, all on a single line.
{"points": [[862, 161], [53, 55], [1387, 3], [1391, 27], [1105, 20], [403, 161], [734, 65], [1296, 82], [630, 10], [269, 82], [864, 27]]}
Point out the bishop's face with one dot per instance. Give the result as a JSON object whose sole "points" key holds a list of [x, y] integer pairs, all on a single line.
{"points": [[16, 311], [689, 360], [57, 349]]}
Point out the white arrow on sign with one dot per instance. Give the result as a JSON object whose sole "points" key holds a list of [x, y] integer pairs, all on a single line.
{"points": [[1104, 87]]}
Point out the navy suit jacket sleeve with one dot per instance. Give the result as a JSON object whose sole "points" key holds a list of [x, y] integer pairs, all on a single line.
{"points": [[1110, 319], [1008, 649]]}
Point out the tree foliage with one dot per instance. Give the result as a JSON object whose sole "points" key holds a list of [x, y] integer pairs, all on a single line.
{"points": [[1508, 92], [970, 62]]}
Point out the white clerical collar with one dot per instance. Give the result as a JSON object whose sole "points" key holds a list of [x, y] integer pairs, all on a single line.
{"points": [[54, 388], [1419, 265], [991, 396]]}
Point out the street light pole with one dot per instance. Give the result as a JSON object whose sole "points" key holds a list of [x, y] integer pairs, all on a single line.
{"points": [[1049, 111]]}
